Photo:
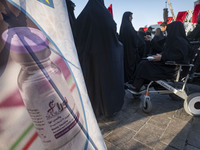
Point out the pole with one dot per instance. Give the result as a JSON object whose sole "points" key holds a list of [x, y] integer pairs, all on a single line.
{"points": [[171, 9]]}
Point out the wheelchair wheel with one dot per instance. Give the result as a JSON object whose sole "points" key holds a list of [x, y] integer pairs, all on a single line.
{"points": [[146, 104], [192, 104]]}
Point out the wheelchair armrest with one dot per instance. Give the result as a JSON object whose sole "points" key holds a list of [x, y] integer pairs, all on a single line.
{"points": [[176, 64]]}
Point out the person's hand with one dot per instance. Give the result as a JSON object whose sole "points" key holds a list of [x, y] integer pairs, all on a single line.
{"points": [[148, 38], [157, 57]]}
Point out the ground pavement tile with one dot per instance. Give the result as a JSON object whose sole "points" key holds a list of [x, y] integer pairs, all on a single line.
{"points": [[131, 102], [149, 135], [133, 145], [196, 123], [161, 120], [121, 118], [189, 147], [110, 146], [106, 125], [119, 136], [176, 133], [131, 106], [128, 95], [105, 129], [194, 138], [136, 121], [181, 114], [162, 146]]}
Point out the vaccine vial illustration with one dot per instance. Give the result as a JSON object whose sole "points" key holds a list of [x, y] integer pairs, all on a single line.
{"points": [[43, 87]]}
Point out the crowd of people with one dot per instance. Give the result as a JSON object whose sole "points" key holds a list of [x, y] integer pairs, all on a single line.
{"points": [[110, 60]]}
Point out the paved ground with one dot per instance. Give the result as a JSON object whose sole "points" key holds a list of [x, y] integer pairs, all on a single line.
{"points": [[167, 127]]}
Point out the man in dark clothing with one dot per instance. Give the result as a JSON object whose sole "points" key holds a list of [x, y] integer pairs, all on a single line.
{"points": [[101, 58], [177, 48], [163, 27], [128, 37]]}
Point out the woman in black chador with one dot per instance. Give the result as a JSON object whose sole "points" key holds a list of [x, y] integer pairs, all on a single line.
{"points": [[128, 36], [176, 49], [101, 58], [141, 42], [158, 42]]}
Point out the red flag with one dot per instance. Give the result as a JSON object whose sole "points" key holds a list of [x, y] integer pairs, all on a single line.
{"points": [[181, 16], [145, 28], [110, 9], [169, 20], [195, 13]]}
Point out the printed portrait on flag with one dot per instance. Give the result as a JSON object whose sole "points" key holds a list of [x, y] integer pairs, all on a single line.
{"points": [[44, 102]]}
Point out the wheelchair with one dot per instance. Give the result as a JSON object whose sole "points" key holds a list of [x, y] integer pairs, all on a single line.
{"points": [[175, 89]]}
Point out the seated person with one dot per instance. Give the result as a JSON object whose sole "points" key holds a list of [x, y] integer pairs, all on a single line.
{"points": [[177, 48]]}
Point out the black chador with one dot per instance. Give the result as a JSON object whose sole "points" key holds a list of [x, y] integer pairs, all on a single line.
{"points": [[128, 36], [101, 58]]}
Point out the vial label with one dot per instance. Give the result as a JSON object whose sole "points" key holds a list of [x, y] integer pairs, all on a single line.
{"points": [[60, 124], [53, 121]]}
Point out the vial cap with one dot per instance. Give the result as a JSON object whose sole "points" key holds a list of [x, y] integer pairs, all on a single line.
{"points": [[20, 39], [26, 42]]}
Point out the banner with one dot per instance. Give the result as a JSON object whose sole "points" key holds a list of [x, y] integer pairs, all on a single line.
{"points": [[181, 16], [195, 13], [38, 32]]}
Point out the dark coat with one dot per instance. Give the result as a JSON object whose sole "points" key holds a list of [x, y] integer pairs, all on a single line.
{"points": [[101, 58], [176, 48], [128, 36]]}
